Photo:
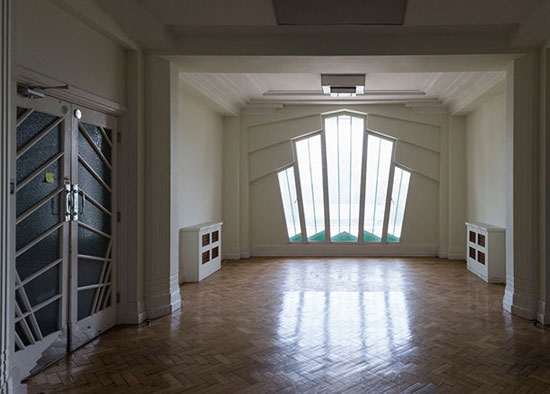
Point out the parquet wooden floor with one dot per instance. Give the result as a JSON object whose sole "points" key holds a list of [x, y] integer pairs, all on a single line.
{"points": [[331, 325]]}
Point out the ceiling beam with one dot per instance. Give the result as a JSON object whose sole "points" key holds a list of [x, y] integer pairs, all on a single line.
{"points": [[533, 30], [139, 23]]}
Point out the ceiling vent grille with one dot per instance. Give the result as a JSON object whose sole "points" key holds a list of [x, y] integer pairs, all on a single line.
{"points": [[343, 85]]}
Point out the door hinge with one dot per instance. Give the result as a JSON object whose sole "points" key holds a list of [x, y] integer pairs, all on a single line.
{"points": [[118, 137], [12, 186], [118, 297], [118, 216]]}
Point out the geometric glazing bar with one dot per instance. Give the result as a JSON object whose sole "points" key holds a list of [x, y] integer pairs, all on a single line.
{"points": [[94, 146], [23, 117], [104, 133], [36, 206], [39, 272], [93, 230], [37, 138], [38, 239], [36, 172], [96, 204], [93, 173]]}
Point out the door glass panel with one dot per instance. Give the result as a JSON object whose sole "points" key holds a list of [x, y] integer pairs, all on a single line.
{"points": [[41, 220], [91, 244], [398, 201], [43, 150], [39, 188], [379, 152], [34, 124], [48, 318], [344, 142], [93, 188], [287, 184], [43, 287], [93, 216], [34, 220], [86, 151], [39, 256], [95, 150], [89, 272], [85, 300], [308, 152]]}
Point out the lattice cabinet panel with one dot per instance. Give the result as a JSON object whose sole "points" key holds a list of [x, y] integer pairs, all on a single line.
{"points": [[485, 248], [200, 251]]}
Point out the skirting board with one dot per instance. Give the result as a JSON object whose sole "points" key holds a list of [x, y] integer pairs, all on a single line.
{"points": [[336, 250], [543, 314]]}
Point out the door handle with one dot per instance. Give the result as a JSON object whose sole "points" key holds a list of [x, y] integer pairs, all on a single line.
{"points": [[68, 202], [83, 197], [74, 211]]}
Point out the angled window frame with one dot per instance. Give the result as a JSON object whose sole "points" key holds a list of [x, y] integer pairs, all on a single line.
{"points": [[387, 207], [387, 204], [298, 198], [411, 172]]}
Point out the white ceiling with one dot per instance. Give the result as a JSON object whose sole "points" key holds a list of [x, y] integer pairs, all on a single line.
{"points": [[261, 12], [177, 27], [428, 92]]}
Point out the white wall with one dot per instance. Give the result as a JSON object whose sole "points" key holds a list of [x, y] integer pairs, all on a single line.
{"points": [[196, 163], [51, 42], [265, 148], [486, 162]]}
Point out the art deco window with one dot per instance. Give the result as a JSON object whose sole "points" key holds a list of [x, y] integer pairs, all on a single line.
{"points": [[344, 186], [287, 184]]}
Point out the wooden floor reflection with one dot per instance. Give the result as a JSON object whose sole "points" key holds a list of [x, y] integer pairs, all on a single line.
{"points": [[324, 325]]}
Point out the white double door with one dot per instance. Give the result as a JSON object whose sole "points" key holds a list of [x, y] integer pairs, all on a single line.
{"points": [[65, 229]]}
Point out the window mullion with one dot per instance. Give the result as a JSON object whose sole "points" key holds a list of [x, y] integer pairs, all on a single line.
{"points": [[290, 199], [376, 187], [338, 167], [360, 234], [325, 184], [389, 196], [299, 197], [350, 165]]}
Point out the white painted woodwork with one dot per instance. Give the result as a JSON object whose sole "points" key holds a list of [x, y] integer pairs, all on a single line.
{"points": [[200, 250], [522, 277], [485, 251], [7, 205], [162, 293]]}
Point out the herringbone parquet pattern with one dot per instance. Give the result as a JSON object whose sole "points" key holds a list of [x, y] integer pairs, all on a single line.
{"points": [[320, 326]]}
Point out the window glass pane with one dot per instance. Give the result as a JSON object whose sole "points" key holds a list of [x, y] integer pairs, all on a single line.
{"points": [[344, 141], [290, 204], [379, 153], [308, 152], [398, 201]]}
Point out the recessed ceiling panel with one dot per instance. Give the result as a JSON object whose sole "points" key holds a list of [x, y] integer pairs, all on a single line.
{"points": [[341, 12]]}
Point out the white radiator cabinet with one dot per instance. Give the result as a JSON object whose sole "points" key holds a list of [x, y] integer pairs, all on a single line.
{"points": [[485, 251], [200, 250]]}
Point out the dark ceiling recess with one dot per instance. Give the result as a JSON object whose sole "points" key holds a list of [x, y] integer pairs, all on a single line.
{"points": [[340, 12]]}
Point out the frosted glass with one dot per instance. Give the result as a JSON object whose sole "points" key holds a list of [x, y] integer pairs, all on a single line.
{"points": [[344, 144], [400, 190], [308, 152], [379, 159], [287, 185]]}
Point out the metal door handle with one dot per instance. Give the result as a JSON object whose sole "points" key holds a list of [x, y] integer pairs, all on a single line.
{"points": [[81, 211], [75, 203], [68, 202]]}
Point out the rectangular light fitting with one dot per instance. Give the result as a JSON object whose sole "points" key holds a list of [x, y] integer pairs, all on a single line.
{"points": [[339, 12], [343, 85]]}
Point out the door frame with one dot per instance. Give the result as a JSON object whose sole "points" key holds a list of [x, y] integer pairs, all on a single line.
{"points": [[47, 349], [82, 331], [76, 97]]}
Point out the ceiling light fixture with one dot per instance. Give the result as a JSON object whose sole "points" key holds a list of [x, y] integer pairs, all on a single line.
{"points": [[343, 85]]}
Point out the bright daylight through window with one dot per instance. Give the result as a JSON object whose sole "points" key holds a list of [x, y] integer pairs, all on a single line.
{"points": [[331, 168]]}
